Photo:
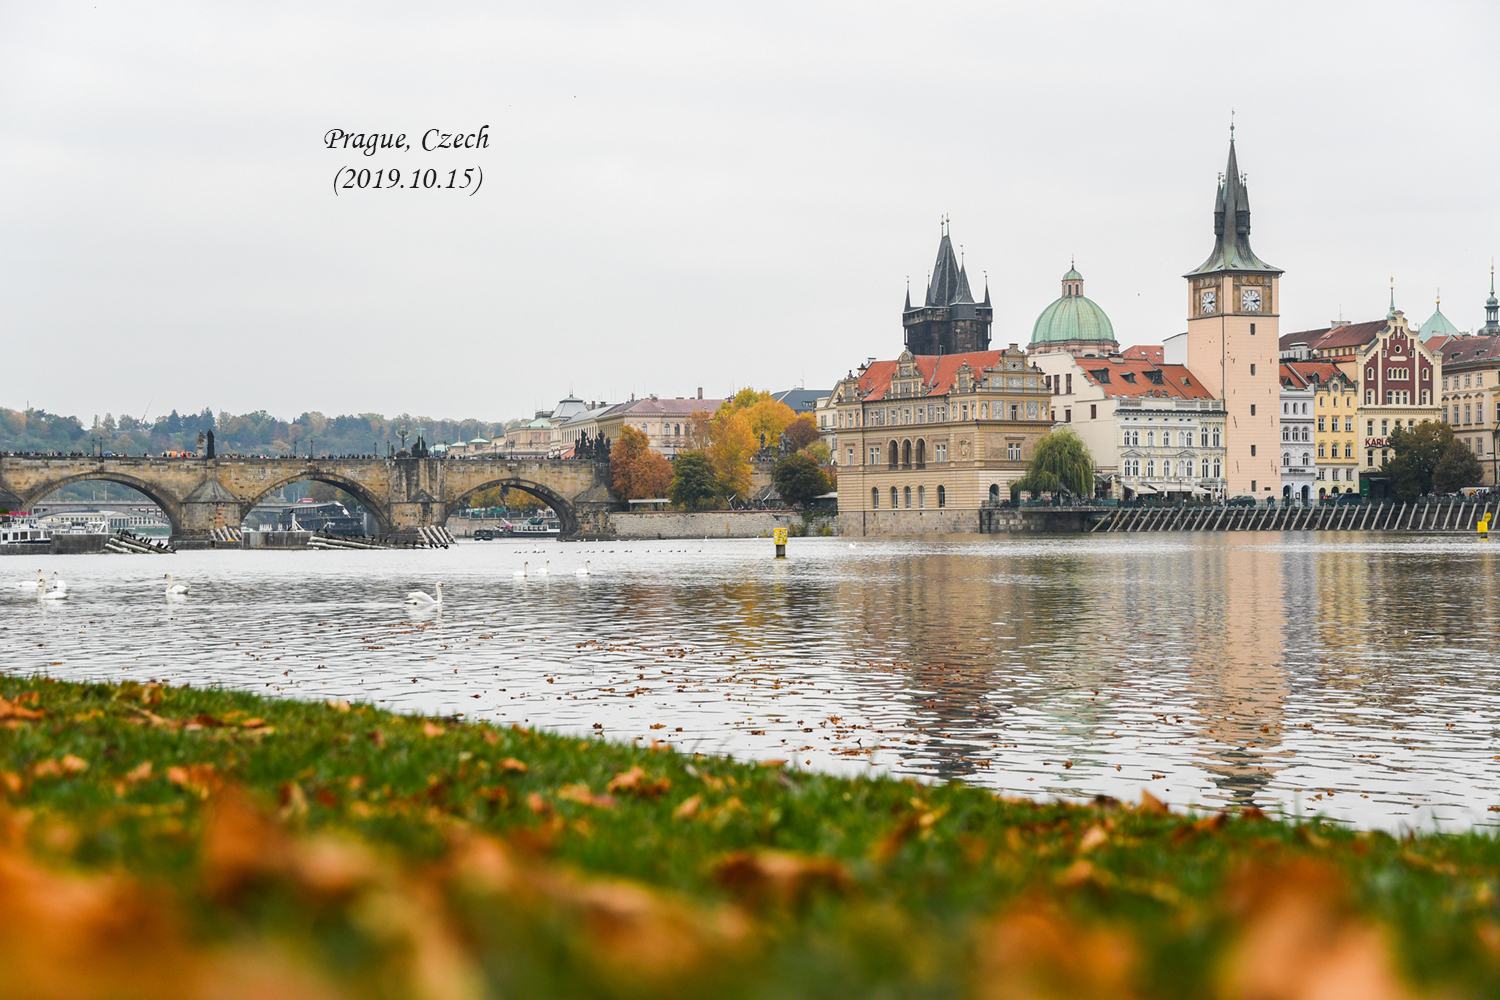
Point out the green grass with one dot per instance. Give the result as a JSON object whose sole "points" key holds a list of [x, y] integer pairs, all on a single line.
{"points": [[885, 888]]}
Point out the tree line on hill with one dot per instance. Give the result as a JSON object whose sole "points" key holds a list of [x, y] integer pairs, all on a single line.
{"points": [[256, 433]]}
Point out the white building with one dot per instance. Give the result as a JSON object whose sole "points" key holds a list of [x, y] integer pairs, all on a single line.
{"points": [[1298, 470]]}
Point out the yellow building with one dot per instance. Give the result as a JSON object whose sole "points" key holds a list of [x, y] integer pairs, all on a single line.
{"points": [[1233, 298], [1470, 394], [924, 440], [1335, 409]]}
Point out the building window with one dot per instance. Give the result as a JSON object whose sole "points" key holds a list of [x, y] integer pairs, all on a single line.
{"points": [[1370, 459], [1218, 469], [1252, 409], [851, 454], [1166, 468], [1384, 428], [893, 456], [1070, 383], [1150, 439], [1286, 460], [1321, 472], [1349, 424], [1252, 486], [895, 499], [1320, 425], [1067, 414], [1150, 468], [1203, 438], [1252, 368], [1252, 333], [1252, 451], [1015, 412], [942, 452], [1205, 469], [942, 497], [1013, 451], [874, 498], [1216, 440], [874, 455], [921, 497], [1348, 449], [907, 494], [921, 454]]}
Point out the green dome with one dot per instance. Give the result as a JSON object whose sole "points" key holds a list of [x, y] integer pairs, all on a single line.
{"points": [[1072, 317], [1437, 325]]}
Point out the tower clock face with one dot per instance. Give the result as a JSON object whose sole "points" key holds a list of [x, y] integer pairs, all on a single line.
{"points": [[1250, 300], [1207, 299]]}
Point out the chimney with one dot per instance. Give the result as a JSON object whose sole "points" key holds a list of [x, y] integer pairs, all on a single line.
{"points": [[700, 392]]}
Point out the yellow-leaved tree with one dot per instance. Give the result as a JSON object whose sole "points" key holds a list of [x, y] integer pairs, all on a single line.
{"points": [[637, 472]]}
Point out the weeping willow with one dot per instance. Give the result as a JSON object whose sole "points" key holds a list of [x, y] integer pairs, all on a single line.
{"points": [[1061, 461]]}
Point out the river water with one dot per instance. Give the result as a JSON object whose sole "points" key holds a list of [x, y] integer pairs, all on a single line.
{"points": [[1353, 676]]}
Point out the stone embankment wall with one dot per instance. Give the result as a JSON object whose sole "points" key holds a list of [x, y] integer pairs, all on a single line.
{"points": [[700, 524], [947, 521]]}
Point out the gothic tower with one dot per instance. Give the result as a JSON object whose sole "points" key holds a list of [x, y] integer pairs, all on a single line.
{"points": [[949, 321], [1232, 342]]}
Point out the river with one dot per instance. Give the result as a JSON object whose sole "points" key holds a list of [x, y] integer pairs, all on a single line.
{"points": [[1353, 676]]}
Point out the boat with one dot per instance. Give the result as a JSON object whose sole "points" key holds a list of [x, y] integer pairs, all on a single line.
{"points": [[20, 532], [330, 518], [534, 527]]}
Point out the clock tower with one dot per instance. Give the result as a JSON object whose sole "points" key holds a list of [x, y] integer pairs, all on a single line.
{"points": [[1232, 341]]}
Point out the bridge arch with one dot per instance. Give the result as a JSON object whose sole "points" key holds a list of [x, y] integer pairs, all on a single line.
{"points": [[171, 506], [349, 486], [566, 516]]}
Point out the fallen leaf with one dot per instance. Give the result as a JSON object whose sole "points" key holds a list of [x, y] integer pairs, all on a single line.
{"points": [[200, 779], [1035, 953], [1152, 805], [65, 766], [636, 783], [581, 794], [511, 764], [13, 710], [432, 729], [688, 807], [337, 704], [293, 801], [1092, 838], [762, 876], [253, 724], [139, 773]]}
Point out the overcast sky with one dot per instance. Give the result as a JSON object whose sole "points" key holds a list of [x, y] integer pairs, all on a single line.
{"points": [[685, 195]]}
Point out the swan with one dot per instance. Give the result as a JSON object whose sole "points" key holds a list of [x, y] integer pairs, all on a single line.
{"points": [[54, 595], [582, 570], [176, 589], [520, 574], [423, 600], [545, 570], [58, 583], [38, 584]]}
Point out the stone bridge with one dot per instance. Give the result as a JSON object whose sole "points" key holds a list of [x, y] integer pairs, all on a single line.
{"points": [[200, 494]]}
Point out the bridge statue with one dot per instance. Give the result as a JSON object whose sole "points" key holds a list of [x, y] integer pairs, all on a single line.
{"points": [[403, 493]]}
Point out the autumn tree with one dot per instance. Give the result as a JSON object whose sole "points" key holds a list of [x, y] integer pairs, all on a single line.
{"points": [[636, 471], [798, 479], [802, 431], [1415, 454], [1459, 467], [693, 480]]}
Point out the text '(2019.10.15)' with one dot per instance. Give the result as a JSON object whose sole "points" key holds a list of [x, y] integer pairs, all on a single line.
{"points": [[468, 179]]}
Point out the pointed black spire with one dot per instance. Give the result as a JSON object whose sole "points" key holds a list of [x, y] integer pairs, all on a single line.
{"points": [[986, 288], [1232, 224], [908, 294]]}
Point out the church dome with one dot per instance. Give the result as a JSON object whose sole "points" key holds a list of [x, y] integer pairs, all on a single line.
{"points": [[1073, 319], [1438, 325]]}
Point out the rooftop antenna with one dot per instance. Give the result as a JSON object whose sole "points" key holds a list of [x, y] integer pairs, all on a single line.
{"points": [[1231, 125]]}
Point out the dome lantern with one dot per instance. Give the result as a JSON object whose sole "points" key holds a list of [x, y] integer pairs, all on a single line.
{"points": [[1073, 324]]}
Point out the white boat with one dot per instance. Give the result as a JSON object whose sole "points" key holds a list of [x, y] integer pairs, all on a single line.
{"points": [[19, 531]]}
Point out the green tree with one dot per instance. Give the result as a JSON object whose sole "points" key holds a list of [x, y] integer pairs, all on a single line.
{"points": [[1060, 460], [693, 480], [1415, 454], [799, 478], [1459, 467]]}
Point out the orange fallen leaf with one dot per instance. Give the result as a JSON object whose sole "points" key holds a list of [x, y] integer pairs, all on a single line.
{"points": [[762, 876], [511, 764], [432, 729], [1152, 805], [200, 779], [13, 710], [65, 766], [253, 723], [635, 782], [581, 794], [139, 773], [1092, 838], [688, 807]]}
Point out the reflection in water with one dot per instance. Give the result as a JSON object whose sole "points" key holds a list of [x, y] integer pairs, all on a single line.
{"points": [[1344, 674]]}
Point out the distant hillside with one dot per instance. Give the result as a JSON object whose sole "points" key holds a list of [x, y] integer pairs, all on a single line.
{"points": [[256, 433]]}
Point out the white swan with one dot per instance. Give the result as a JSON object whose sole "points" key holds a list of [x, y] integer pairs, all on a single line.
{"points": [[545, 570], [58, 583], [175, 589], [423, 600], [582, 570], [520, 574], [39, 583]]}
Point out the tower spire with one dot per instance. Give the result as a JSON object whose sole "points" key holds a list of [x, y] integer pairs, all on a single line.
{"points": [[1392, 313]]}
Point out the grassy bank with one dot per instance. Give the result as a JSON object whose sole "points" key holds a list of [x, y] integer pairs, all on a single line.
{"points": [[180, 842]]}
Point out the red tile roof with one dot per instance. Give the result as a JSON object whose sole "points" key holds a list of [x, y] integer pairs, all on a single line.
{"points": [[667, 407], [939, 372], [1133, 377], [1144, 352], [1457, 350], [1303, 373], [1348, 335]]}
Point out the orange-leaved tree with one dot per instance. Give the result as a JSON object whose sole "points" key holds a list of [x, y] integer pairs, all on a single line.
{"points": [[637, 472], [802, 432], [731, 445]]}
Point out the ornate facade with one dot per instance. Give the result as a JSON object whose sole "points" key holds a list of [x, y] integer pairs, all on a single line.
{"points": [[924, 440]]}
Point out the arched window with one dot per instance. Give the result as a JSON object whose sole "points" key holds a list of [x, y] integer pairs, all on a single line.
{"points": [[1205, 468], [921, 497], [1166, 468], [942, 496], [874, 498], [895, 455], [921, 454], [907, 494], [906, 456], [895, 499], [1218, 469], [1150, 439], [1150, 464], [994, 492], [1306, 459], [1216, 444]]}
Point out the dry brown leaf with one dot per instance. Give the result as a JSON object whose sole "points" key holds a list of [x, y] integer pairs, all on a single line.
{"points": [[1035, 953], [581, 794], [1152, 805], [200, 779], [337, 704], [139, 773], [13, 710], [688, 807], [511, 764], [293, 801], [763, 876], [636, 783], [432, 729], [65, 766], [1094, 837]]}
